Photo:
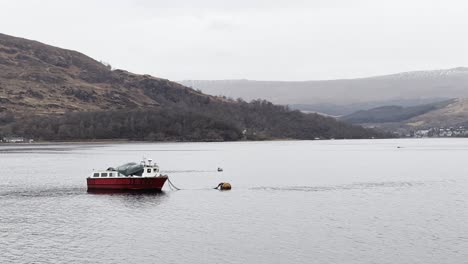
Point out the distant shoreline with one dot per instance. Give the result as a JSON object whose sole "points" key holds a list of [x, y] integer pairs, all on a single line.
{"points": [[109, 142], [105, 141], [122, 141]]}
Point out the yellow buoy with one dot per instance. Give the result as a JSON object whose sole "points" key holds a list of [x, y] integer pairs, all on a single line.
{"points": [[224, 186]]}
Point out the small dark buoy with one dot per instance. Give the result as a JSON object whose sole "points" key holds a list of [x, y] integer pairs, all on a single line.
{"points": [[224, 186], [220, 169]]}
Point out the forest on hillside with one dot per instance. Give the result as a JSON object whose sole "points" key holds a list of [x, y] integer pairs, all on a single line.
{"points": [[215, 121]]}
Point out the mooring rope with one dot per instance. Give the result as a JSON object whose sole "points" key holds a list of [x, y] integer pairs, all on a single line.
{"points": [[171, 185], [221, 186]]}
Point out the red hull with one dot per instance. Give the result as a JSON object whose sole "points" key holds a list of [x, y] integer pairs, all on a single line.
{"points": [[133, 184]]}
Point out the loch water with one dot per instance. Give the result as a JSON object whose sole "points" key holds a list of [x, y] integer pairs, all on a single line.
{"points": [[340, 201]]}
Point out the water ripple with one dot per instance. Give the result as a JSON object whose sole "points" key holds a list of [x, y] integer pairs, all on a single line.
{"points": [[353, 186]]}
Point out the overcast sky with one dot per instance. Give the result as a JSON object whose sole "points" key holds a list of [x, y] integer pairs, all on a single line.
{"points": [[251, 39]]}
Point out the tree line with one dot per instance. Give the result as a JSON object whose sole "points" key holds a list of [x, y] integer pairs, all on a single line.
{"points": [[216, 120]]}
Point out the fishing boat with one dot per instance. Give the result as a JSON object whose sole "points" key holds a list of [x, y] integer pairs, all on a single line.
{"points": [[144, 176]]}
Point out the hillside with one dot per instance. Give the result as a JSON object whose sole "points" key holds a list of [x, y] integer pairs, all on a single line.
{"points": [[454, 114], [51, 93], [392, 113], [44, 79], [403, 120], [341, 97]]}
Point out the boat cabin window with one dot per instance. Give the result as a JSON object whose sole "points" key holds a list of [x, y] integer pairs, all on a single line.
{"points": [[148, 170], [96, 174], [104, 174], [155, 170], [111, 174]]}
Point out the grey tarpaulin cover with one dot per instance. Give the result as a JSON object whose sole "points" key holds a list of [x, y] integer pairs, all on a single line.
{"points": [[131, 168]]}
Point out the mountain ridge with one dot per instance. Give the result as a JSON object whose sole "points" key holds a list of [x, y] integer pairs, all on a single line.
{"points": [[323, 95], [447, 71]]}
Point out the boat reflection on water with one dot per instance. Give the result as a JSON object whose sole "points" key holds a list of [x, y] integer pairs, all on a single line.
{"points": [[131, 199], [126, 191]]}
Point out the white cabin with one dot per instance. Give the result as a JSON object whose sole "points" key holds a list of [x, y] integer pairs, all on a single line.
{"points": [[149, 170]]}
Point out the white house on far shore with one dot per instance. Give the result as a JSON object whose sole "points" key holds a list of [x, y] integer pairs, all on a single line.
{"points": [[14, 140]]}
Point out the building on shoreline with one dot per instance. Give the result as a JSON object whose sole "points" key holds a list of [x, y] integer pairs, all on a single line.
{"points": [[14, 139], [460, 131]]}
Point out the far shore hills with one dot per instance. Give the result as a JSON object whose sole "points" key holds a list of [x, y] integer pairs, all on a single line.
{"points": [[415, 103], [53, 94]]}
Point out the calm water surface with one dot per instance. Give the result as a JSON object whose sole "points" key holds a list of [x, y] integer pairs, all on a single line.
{"points": [[363, 201]]}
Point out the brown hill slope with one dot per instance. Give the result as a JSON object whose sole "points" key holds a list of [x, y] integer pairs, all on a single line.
{"points": [[454, 114], [52, 93], [450, 113], [45, 79]]}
